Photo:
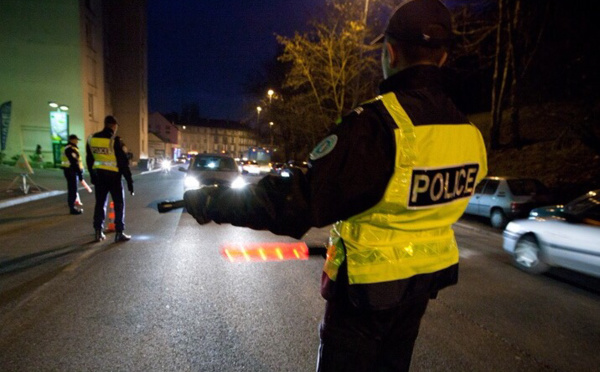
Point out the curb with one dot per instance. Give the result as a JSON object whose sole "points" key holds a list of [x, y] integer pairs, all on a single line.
{"points": [[25, 199], [47, 194]]}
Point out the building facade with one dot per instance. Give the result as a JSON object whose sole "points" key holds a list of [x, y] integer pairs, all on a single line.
{"points": [[216, 136], [163, 137], [79, 54]]}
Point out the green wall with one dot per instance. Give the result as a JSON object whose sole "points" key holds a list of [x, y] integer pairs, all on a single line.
{"points": [[40, 61]]}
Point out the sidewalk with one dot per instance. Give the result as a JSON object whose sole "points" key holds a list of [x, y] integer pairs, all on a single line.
{"points": [[43, 183]]}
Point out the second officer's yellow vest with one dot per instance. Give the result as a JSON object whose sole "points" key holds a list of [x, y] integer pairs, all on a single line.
{"points": [[409, 231], [64, 161], [104, 154]]}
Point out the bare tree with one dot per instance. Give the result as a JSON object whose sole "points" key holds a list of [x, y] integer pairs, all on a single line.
{"points": [[325, 63], [506, 34]]}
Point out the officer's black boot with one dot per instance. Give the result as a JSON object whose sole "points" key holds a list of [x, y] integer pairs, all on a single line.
{"points": [[76, 211], [121, 237], [99, 235]]}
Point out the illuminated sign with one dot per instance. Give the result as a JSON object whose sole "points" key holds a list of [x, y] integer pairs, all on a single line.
{"points": [[59, 126]]}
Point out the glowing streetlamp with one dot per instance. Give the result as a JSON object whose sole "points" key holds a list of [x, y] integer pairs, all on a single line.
{"points": [[270, 94], [271, 127], [258, 110]]}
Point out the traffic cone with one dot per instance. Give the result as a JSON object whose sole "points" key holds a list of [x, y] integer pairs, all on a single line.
{"points": [[111, 217]]}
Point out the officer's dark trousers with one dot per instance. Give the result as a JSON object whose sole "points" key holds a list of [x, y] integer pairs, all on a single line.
{"points": [[368, 340], [71, 177], [109, 182]]}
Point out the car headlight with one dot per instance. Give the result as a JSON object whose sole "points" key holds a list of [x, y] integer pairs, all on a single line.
{"points": [[238, 183], [191, 183], [165, 164], [512, 228]]}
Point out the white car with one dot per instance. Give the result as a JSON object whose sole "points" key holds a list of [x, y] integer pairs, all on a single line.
{"points": [[564, 236]]}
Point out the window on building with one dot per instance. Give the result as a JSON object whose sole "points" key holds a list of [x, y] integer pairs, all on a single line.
{"points": [[90, 105], [89, 33], [91, 71], [216, 139]]}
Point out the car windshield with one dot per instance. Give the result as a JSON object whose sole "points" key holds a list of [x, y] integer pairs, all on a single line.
{"points": [[214, 163], [582, 205], [521, 187]]}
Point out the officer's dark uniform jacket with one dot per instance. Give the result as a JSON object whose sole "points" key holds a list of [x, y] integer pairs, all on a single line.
{"points": [[106, 156], [71, 159], [392, 178]]}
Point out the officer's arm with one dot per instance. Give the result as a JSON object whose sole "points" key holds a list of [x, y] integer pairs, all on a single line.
{"points": [[122, 161], [349, 178], [89, 157], [276, 204]]}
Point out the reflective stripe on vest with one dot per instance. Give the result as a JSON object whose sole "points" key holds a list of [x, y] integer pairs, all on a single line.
{"points": [[104, 154], [409, 231], [64, 161]]}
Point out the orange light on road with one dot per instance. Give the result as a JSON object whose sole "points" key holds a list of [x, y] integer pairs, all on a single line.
{"points": [[263, 252]]}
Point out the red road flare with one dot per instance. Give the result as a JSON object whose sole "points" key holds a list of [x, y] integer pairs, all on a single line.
{"points": [[262, 252]]}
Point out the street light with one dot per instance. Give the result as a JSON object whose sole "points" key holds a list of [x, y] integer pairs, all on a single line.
{"points": [[258, 110], [271, 127], [270, 94]]}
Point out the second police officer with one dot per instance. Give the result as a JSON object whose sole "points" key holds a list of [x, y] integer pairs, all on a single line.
{"points": [[72, 165], [107, 161]]}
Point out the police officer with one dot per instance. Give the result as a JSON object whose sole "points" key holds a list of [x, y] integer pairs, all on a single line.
{"points": [[107, 160], [392, 178], [72, 165]]}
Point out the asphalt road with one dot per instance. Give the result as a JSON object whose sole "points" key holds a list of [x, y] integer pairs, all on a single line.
{"points": [[169, 301]]}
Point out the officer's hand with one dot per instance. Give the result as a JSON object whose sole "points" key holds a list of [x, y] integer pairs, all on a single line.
{"points": [[130, 187], [196, 203]]}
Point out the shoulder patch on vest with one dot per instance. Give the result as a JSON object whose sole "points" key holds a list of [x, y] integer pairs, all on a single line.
{"points": [[324, 147]]}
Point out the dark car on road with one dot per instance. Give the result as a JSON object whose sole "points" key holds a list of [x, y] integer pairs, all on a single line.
{"points": [[212, 169]]}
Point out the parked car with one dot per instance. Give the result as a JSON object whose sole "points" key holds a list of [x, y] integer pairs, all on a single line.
{"points": [[276, 167], [303, 165], [212, 169], [566, 236], [249, 167], [502, 199]]}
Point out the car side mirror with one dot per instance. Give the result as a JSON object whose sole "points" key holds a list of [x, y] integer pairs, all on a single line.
{"points": [[182, 169]]}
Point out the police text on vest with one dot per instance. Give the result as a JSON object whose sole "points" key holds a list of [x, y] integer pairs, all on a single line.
{"points": [[434, 186]]}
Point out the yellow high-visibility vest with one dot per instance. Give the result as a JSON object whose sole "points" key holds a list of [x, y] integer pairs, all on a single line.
{"points": [[64, 161], [409, 231], [104, 154]]}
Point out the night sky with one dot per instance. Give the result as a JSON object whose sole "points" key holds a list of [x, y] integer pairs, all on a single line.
{"points": [[204, 51]]}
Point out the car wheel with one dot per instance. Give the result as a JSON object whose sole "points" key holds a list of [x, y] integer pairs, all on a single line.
{"points": [[527, 255], [498, 219]]}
